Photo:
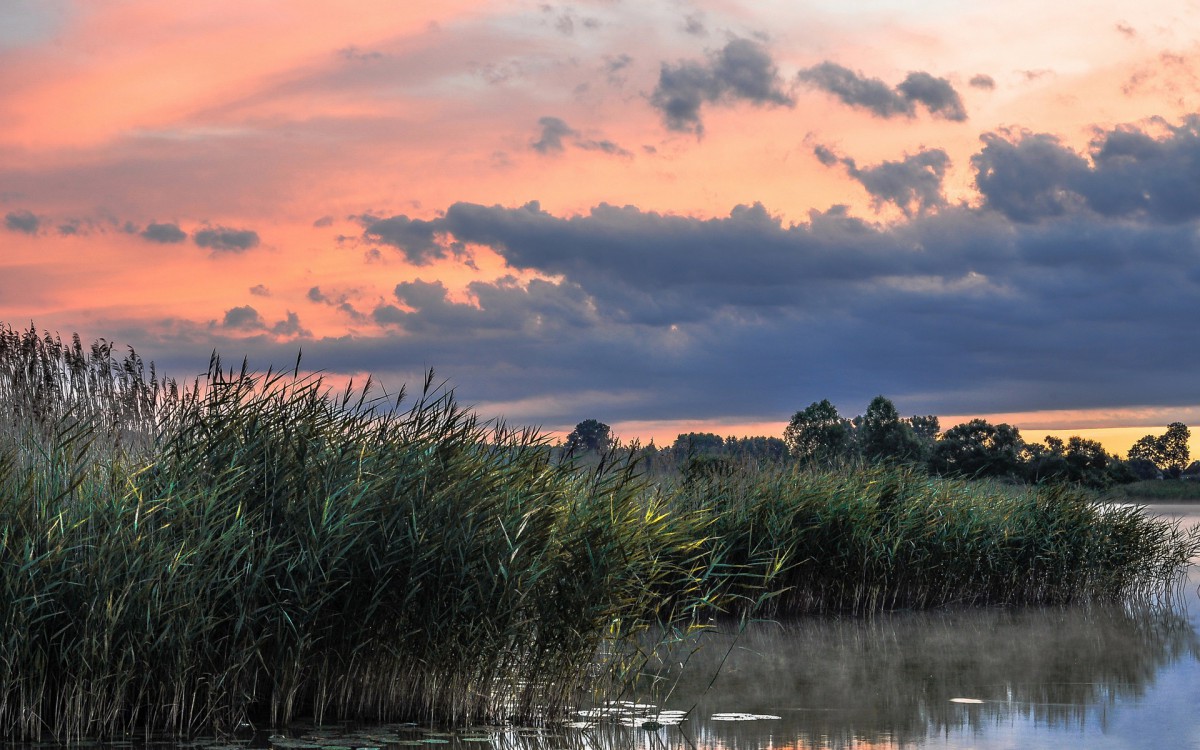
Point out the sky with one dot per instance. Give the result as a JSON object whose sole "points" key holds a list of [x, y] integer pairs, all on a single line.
{"points": [[669, 216]]}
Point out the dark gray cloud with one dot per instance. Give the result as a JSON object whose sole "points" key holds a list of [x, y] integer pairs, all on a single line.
{"points": [[324, 221], [413, 237], [982, 81], [537, 307], [223, 239], [913, 184], [164, 233], [259, 290], [937, 95], [741, 71], [555, 131], [290, 326], [246, 319], [22, 221], [339, 300], [1127, 173], [643, 315]]}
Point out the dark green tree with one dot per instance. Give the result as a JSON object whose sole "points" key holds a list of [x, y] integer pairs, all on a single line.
{"points": [[1169, 452], [589, 435], [884, 437], [926, 428], [698, 444], [819, 434], [1174, 449], [979, 449]]}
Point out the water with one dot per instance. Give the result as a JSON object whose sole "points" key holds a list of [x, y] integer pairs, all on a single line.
{"points": [[1095, 677]]}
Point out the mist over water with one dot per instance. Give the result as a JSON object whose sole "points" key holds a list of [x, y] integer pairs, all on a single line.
{"points": [[1105, 676]]}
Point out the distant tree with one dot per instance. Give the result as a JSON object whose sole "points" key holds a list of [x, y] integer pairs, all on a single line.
{"points": [[884, 436], [758, 448], [926, 427], [1169, 452], [1174, 448], [818, 434], [1087, 461], [698, 444], [589, 435], [979, 448], [1046, 461]]}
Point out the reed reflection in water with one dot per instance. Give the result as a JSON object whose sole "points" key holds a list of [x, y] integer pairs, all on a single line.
{"points": [[1048, 675]]}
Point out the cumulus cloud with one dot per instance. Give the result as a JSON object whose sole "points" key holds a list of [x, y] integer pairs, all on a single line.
{"points": [[259, 290], [506, 304], [246, 319], [412, 237], [913, 184], [1128, 172], [163, 233], [741, 71], [937, 95], [223, 239], [290, 326], [22, 221], [630, 300]]}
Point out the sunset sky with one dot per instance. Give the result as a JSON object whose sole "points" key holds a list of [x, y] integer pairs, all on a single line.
{"points": [[668, 216]]}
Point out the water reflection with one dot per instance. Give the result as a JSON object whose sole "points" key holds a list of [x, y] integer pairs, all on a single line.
{"points": [[893, 680]]}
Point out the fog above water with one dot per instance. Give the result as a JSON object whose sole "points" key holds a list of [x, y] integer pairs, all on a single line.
{"points": [[1113, 675]]}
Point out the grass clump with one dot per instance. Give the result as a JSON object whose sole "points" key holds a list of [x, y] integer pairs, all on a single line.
{"points": [[876, 538], [266, 549]]}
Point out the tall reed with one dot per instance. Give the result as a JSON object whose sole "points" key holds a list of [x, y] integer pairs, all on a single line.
{"points": [[267, 548], [874, 538]]}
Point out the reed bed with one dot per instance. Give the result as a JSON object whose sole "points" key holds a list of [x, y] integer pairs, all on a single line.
{"points": [[880, 538], [257, 547]]}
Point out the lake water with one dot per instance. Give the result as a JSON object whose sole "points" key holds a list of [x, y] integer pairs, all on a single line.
{"points": [[1088, 677]]}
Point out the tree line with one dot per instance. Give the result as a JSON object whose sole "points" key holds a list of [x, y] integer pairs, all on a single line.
{"points": [[819, 435]]}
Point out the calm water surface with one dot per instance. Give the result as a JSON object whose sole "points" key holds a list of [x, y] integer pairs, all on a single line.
{"points": [[1094, 677]]}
